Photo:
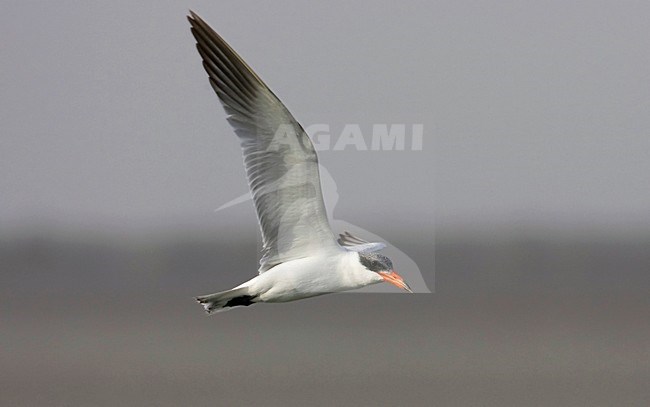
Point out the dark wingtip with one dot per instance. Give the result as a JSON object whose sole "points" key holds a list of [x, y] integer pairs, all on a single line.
{"points": [[194, 18]]}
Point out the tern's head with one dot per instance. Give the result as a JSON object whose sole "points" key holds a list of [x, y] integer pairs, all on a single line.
{"points": [[382, 265]]}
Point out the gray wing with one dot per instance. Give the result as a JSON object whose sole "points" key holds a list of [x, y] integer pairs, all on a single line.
{"points": [[280, 160], [356, 244]]}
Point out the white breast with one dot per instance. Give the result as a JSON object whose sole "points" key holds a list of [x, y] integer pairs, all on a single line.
{"points": [[312, 276]]}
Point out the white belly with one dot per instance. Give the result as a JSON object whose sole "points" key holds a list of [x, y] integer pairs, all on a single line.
{"points": [[312, 276]]}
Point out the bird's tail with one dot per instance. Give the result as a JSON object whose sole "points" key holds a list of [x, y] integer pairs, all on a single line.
{"points": [[225, 300]]}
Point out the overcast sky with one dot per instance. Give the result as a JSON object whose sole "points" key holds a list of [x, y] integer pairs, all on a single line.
{"points": [[532, 111]]}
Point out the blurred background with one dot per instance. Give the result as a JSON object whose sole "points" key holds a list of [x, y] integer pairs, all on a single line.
{"points": [[526, 210]]}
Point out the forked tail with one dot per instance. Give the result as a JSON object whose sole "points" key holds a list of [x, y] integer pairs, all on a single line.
{"points": [[225, 300]]}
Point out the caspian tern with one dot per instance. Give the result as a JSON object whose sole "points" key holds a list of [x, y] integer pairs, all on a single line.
{"points": [[301, 258]]}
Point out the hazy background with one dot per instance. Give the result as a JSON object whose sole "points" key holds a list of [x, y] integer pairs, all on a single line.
{"points": [[531, 191]]}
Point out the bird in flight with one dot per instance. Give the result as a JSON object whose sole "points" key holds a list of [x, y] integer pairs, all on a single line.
{"points": [[301, 256]]}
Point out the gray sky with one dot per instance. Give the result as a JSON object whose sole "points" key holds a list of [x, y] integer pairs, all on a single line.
{"points": [[532, 111]]}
